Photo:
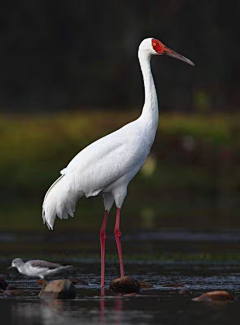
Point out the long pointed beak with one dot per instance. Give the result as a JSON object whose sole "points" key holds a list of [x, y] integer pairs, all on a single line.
{"points": [[10, 267], [175, 55]]}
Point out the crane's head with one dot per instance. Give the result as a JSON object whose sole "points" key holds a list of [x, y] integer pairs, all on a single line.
{"points": [[152, 46]]}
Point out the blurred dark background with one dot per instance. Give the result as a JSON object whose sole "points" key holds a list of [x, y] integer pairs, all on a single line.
{"points": [[70, 74], [58, 55]]}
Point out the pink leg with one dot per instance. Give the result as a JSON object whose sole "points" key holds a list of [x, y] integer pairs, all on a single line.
{"points": [[103, 238], [118, 234]]}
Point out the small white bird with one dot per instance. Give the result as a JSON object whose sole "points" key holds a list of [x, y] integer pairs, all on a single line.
{"points": [[107, 166], [37, 268]]}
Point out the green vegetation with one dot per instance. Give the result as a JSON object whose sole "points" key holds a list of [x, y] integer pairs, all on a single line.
{"points": [[34, 149], [192, 156]]}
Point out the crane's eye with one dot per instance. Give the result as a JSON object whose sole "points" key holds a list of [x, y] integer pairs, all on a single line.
{"points": [[154, 44]]}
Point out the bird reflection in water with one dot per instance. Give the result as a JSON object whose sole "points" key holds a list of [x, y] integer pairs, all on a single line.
{"points": [[102, 306], [117, 308]]}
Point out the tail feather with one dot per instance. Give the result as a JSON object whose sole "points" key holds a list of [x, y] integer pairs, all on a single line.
{"points": [[67, 266], [59, 201]]}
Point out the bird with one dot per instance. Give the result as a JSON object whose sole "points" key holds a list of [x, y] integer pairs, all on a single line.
{"points": [[108, 165], [37, 268]]}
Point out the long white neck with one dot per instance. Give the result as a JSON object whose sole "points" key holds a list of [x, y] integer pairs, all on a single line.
{"points": [[150, 113]]}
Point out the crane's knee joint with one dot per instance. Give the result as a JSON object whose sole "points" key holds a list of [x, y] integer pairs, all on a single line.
{"points": [[103, 235], [117, 233]]}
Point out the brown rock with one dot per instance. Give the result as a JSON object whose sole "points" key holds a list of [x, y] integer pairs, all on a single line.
{"points": [[145, 285], [125, 284], [58, 289], [10, 287], [215, 296], [184, 291], [173, 285], [15, 292]]}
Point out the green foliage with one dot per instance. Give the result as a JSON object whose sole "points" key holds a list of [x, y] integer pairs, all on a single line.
{"points": [[34, 149], [192, 155]]}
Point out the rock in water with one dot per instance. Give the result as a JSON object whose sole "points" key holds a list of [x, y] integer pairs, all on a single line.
{"points": [[58, 289], [220, 295], [125, 284], [173, 285], [184, 291], [15, 292], [145, 285]]}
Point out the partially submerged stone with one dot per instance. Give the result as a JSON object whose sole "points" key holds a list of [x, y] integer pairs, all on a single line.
{"points": [[15, 292], [11, 287], [220, 295], [184, 291], [125, 284], [145, 285], [174, 285], [58, 289]]}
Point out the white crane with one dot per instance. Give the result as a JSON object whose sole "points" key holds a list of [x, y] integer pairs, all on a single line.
{"points": [[107, 165]]}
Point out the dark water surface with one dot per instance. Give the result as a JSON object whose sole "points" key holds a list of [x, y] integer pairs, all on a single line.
{"points": [[208, 261], [149, 308], [157, 305]]}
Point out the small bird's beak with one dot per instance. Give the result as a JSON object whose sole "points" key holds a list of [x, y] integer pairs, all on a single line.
{"points": [[10, 267], [175, 55]]}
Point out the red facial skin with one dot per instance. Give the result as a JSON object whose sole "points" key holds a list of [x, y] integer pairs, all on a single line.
{"points": [[158, 46], [160, 49]]}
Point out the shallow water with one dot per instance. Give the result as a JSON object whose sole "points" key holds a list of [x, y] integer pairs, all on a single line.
{"points": [[208, 261], [158, 305]]}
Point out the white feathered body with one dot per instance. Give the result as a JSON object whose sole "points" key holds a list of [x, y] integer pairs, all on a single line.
{"points": [[39, 271], [107, 165], [108, 162]]}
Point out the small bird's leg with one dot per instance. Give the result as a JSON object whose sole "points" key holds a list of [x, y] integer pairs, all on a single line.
{"points": [[42, 282], [118, 234], [103, 238]]}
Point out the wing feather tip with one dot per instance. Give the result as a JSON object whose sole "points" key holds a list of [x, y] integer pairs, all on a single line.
{"points": [[50, 227]]}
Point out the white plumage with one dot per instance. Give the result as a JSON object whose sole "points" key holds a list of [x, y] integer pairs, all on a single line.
{"points": [[37, 268], [108, 165]]}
